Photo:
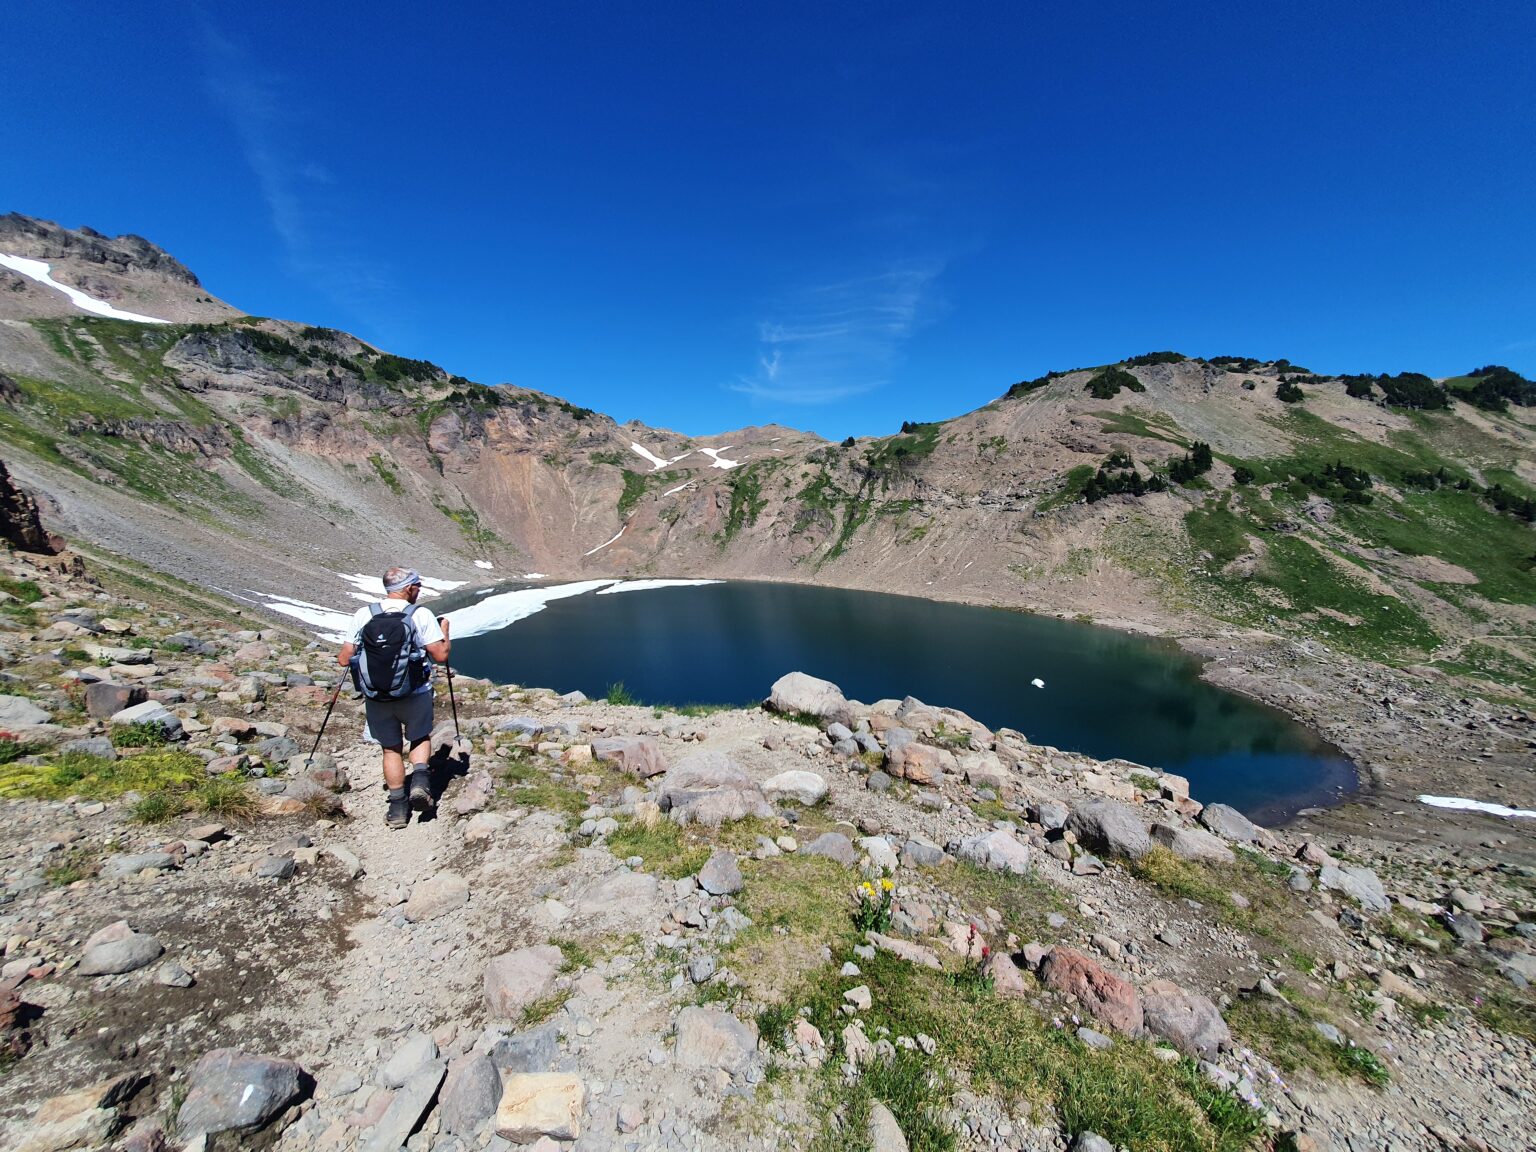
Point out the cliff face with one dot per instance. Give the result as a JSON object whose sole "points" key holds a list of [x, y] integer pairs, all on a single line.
{"points": [[221, 449], [20, 524]]}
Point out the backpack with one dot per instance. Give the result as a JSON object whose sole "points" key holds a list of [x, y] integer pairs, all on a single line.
{"points": [[390, 662]]}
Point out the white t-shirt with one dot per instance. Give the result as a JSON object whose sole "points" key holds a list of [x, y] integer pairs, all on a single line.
{"points": [[428, 630]]}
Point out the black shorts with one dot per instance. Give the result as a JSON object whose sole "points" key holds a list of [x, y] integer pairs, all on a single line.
{"points": [[387, 717]]}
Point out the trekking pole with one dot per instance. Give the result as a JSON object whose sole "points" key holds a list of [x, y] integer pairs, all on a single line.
{"points": [[309, 761], [452, 703]]}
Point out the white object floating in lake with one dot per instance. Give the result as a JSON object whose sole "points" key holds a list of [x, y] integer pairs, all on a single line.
{"points": [[1037, 682], [484, 564], [42, 272], [649, 585], [605, 543], [1478, 806]]}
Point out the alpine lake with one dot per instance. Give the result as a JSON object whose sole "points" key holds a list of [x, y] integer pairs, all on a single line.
{"points": [[1106, 694]]}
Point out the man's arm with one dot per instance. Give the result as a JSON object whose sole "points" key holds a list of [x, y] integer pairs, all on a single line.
{"points": [[439, 650], [344, 657]]}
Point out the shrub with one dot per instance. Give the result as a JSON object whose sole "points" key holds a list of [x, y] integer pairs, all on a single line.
{"points": [[1195, 463], [142, 734], [1359, 387], [618, 694], [1289, 392], [1149, 358], [1106, 385], [1413, 390], [1242, 474], [848, 442], [226, 796], [158, 807]]}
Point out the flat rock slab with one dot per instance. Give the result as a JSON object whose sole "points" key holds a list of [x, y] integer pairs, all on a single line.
{"points": [[1193, 844], [541, 1104], [1108, 998], [1229, 823], [802, 787], [1187, 1020], [1110, 827], [437, 896], [515, 980], [639, 755], [721, 876], [406, 1109], [19, 712], [906, 950], [997, 852], [416, 1050], [709, 1038], [834, 846], [470, 1094], [114, 957], [231, 1089], [711, 789]]}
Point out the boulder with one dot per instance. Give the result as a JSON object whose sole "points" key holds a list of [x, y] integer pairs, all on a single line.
{"points": [[721, 876], [802, 787], [711, 788], [532, 1051], [137, 862], [834, 846], [885, 1134], [414, 1052], [1109, 827], [639, 755], [1193, 844], [436, 896], [1007, 980], [921, 853], [1108, 998], [997, 852], [516, 979], [799, 694], [1187, 1020], [114, 957], [905, 950], [1229, 823], [406, 1108], [984, 770], [231, 1089], [710, 1038], [539, 1105], [921, 763], [1360, 884], [470, 1094], [1050, 814], [150, 712], [106, 698], [19, 712]]}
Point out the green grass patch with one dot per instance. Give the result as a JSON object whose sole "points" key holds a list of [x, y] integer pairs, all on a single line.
{"points": [[666, 849], [96, 778], [1006, 1049], [1285, 1033], [798, 905], [1215, 528], [143, 734], [26, 591], [1508, 1012], [1148, 425], [1072, 486], [619, 694], [574, 955], [386, 474], [541, 1010]]}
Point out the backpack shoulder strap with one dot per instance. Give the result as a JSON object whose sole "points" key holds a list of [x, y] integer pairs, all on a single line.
{"points": [[375, 609], [410, 615]]}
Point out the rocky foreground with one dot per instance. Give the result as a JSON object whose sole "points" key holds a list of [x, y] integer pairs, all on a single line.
{"points": [[819, 924]]}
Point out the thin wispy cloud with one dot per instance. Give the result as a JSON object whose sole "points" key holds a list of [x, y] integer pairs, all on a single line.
{"points": [[300, 192], [833, 341]]}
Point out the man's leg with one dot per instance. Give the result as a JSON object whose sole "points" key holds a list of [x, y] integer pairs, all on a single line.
{"points": [[398, 815], [417, 716]]}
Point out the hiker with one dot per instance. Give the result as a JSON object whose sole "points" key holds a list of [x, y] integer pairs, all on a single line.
{"points": [[388, 657]]}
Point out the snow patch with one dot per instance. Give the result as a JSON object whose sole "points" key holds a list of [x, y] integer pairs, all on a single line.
{"points": [[657, 463], [648, 585], [719, 460], [1478, 806], [484, 564], [42, 272], [372, 587], [679, 488], [534, 576], [509, 607], [605, 543], [332, 625]]}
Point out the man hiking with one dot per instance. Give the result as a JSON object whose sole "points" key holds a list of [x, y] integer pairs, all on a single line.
{"points": [[388, 658]]}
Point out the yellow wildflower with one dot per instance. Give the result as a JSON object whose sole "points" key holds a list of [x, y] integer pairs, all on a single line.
{"points": [[888, 884]]}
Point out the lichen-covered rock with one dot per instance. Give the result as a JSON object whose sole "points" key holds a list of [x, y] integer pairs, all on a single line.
{"points": [[1106, 997]]}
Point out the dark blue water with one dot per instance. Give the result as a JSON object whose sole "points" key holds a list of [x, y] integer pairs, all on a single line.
{"points": [[1106, 694]]}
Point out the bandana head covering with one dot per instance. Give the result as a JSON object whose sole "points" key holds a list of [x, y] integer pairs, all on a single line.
{"points": [[405, 581]]}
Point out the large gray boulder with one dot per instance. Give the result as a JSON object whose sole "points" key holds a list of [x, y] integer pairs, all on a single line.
{"points": [[107, 697], [1361, 884], [470, 1094], [1187, 1020], [150, 712], [798, 693], [117, 949], [1228, 822], [834, 846], [721, 876], [1193, 844], [231, 1089], [406, 1109], [1111, 828], [709, 1038], [997, 852], [797, 784], [710, 788], [19, 712], [516, 979], [639, 755]]}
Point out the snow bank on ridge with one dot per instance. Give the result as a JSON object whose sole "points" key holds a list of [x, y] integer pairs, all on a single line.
{"points": [[42, 272]]}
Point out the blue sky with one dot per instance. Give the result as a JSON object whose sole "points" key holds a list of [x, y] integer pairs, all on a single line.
{"points": [[833, 216]]}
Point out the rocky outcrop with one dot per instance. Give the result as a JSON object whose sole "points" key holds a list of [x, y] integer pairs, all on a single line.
{"points": [[1108, 998], [20, 524]]}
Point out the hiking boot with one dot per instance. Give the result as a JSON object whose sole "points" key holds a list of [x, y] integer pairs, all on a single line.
{"points": [[421, 792], [399, 814]]}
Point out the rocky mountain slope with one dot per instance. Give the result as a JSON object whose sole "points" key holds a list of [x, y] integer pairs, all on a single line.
{"points": [[818, 924]]}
